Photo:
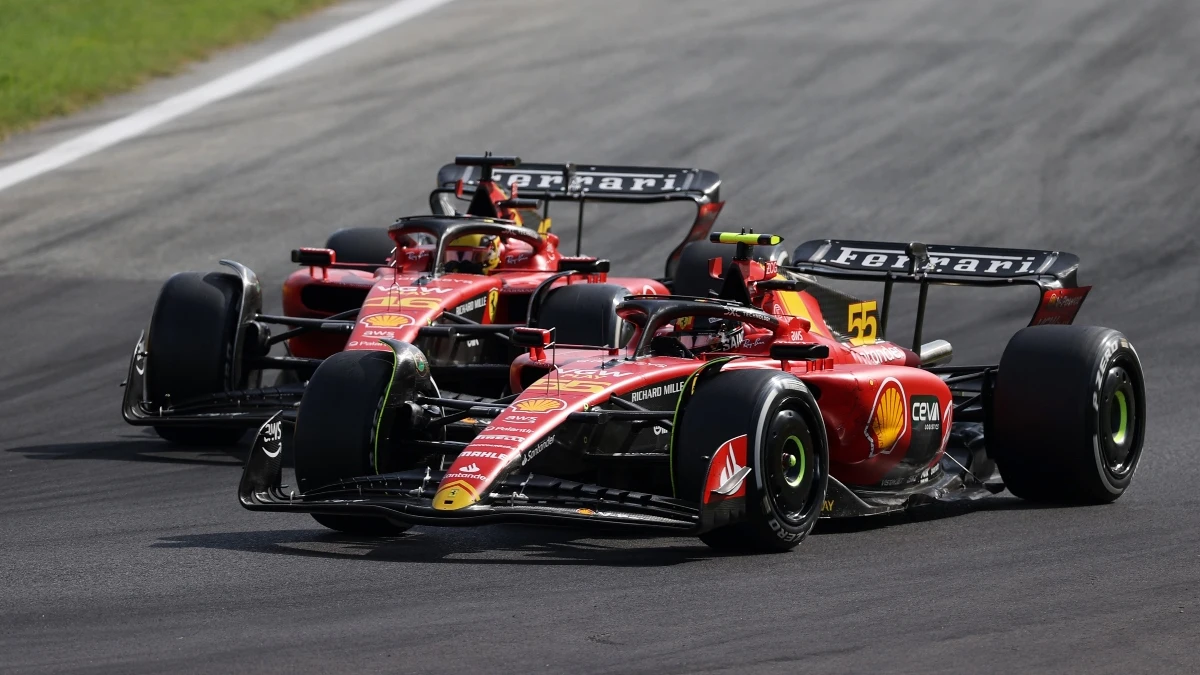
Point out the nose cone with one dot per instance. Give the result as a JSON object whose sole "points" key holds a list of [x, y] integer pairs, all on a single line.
{"points": [[453, 496]]}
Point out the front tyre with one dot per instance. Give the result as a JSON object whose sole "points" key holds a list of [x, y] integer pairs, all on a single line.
{"points": [[336, 429], [785, 450], [1068, 414], [190, 347]]}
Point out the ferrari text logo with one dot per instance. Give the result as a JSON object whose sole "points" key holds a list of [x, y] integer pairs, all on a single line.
{"points": [[981, 263], [590, 180]]}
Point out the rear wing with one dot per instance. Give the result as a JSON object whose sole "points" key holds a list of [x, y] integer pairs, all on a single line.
{"points": [[923, 263], [1053, 272], [591, 183]]}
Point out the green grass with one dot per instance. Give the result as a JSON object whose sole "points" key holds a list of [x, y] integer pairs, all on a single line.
{"points": [[57, 56]]}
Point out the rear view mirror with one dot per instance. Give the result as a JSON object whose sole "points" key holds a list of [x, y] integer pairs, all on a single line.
{"points": [[317, 257]]}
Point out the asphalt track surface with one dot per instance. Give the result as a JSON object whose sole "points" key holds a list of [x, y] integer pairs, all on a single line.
{"points": [[1066, 125]]}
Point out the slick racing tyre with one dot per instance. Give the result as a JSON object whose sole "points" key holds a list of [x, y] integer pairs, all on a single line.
{"points": [[1068, 414], [585, 314], [691, 276], [361, 245], [336, 427], [775, 418], [190, 349]]}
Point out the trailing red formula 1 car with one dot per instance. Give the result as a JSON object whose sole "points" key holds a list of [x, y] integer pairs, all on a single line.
{"points": [[741, 418], [452, 284]]}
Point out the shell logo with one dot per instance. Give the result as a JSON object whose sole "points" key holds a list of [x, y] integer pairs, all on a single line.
{"points": [[539, 405], [387, 320], [888, 418]]}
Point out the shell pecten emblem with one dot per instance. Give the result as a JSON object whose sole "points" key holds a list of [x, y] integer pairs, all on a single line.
{"points": [[539, 405], [453, 496], [386, 321], [888, 418]]}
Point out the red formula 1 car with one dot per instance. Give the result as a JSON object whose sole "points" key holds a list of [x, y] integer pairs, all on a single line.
{"points": [[452, 284], [741, 418]]}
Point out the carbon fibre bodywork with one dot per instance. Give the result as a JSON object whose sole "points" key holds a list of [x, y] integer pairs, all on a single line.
{"points": [[456, 310], [590, 435]]}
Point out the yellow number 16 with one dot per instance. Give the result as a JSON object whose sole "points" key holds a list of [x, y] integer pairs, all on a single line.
{"points": [[862, 325]]}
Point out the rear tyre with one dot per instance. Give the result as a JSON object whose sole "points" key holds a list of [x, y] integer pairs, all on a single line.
{"points": [[585, 314], [691, 276], [786, 451], [190, 349], [361, 245], [1068, 414], [336, 428]]}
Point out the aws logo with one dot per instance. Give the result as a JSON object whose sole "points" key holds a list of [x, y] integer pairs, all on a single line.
{"points": [[889, 418]]}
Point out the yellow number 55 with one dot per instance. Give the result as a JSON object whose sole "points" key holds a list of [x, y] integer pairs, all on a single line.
{"points": [[863, 325]]}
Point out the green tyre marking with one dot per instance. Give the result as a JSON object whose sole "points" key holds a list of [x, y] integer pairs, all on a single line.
{"points": [[1119, 436], [387, 394], [675, 418]]}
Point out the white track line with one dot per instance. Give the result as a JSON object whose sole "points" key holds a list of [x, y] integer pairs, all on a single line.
{"points": [[221, 88]]}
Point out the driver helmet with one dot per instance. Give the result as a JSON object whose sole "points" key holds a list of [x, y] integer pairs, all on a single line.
{"points": [[479, 252], [709, 335]]}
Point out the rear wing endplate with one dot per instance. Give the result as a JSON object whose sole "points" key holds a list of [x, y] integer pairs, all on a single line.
{"points": [[1053, 272], [592, 183]]}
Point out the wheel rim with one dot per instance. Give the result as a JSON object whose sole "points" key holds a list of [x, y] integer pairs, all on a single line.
{"points": [[792, 467], [792, 461], [1121, 420], [1119, 423]]}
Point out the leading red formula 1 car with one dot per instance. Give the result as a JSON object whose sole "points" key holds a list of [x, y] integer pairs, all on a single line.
{"points": [[451, 283], [740, 418]]}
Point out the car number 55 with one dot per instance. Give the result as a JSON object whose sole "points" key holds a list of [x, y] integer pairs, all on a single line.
{"points": [[863, 326]]}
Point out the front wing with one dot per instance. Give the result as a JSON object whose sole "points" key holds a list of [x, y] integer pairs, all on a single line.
{"points": [[408, 496], [244, 408]]}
